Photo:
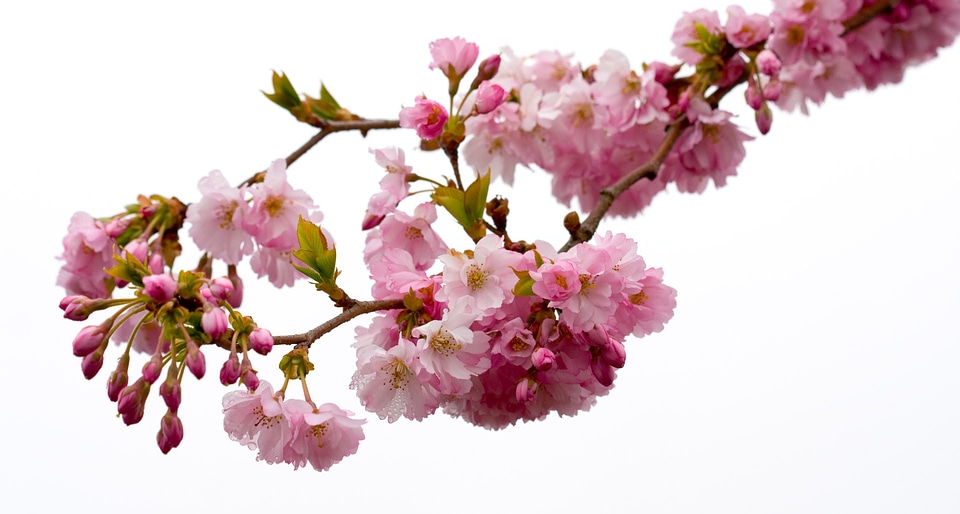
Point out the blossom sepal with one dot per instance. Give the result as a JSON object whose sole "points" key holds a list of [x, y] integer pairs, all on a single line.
{"points": [[467, 207]]}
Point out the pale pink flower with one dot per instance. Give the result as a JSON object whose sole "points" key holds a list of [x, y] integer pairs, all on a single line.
{"points": [[277, 208], [627, 98], [321, 437], [256, 420], [87, 253], [487, 278], [450, 352], [426, 117], [276, 265], [453, 56], [217, 220], [745, 30], [411, 233], [387, 385]]}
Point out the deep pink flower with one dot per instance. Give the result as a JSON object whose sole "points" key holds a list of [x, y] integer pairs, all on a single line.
{"points": [[489, 97], [426, 116]]}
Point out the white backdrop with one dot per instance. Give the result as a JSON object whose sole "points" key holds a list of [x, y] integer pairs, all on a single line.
{"points": [[811, 365]]}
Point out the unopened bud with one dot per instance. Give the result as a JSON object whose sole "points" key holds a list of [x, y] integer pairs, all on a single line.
{"points": [[230, 371], [151, 370], [132, 400], [91, 364], [603, 372], [487, 70], [118, 378], [171, 432], [543, 359], [195, 360], [527, 389], [89, 339], [261, 341], [170, 390], [764, 118], [160, 288]]}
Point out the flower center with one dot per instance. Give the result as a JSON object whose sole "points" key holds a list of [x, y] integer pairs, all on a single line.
{"points": [[398, 375], [414, 233], [444, 343], [274, 206], [318, 431], [265, 422], [476, 277]]}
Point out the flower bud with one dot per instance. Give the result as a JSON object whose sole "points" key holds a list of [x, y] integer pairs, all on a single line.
{"points": [[603, 372], [543, 359], [613, 353], [753, 96], [91, 364], [90, 338], [138, 249], [156, 264], [132, 400], [772, 90], [118, 378], [170, 390], [221, 288], [171, 432], [195, 360], [151, 370], [261, 341], [160, 288], [236, 297], [77, 307], [487, 70], [250, 380], [489, 97], [732, 70], [768, 63], [117, 226], [764, 119], [214, 321], [230, 371]]}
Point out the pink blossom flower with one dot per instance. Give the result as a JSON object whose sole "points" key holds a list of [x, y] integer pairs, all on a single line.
{"points": [[87, 252], [321, 436], [276, 265], [387, 385], [450, 352], [426, 116], [276, 209], [411, 233], [256, 420], [217, 220], [453, 56], [487, 278], [744, 30]]}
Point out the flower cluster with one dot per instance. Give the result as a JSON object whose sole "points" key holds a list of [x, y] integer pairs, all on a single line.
{"points": [[291, 431], [499, 334], [821, 57], [230, 223]]}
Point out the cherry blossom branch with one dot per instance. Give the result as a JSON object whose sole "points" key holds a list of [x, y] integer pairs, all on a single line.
{"points": [[649, 170], [610, 193], [328, 127], [357, 309]]}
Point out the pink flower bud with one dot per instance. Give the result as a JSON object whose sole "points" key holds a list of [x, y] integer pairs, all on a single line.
{"points": [[613, 353], [764, 119], [236, 297], [137, 249], [772, 90], [489, 97], [89, 339], [117, 226], [487, 70], [91, 364], [426, 116], [118, 378], [527, 389], [768, 63], [603, 372], [156, 264], [732, 69], [170, 390], [221, 288], [214, 321], [230, 371], [171, 432], [196, 363], [151, 370], [160, 288], [752, 96], [248, 375], [662, 72], [543, 359], [77, 307], [132, 400], [261, 341]]}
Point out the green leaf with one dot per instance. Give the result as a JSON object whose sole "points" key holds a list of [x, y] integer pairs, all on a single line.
{"points": [[283, 94], [524, 286], [475, 197], [452, 199]]}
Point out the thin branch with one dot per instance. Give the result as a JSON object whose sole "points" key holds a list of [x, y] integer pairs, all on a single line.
{"points": [[359, 308], [650, 169], [610, 193], [328, 127]]}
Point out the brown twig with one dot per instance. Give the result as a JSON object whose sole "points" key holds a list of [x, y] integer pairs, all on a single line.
{"points": [[358, 308], [866, 14], [328, 127]]}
